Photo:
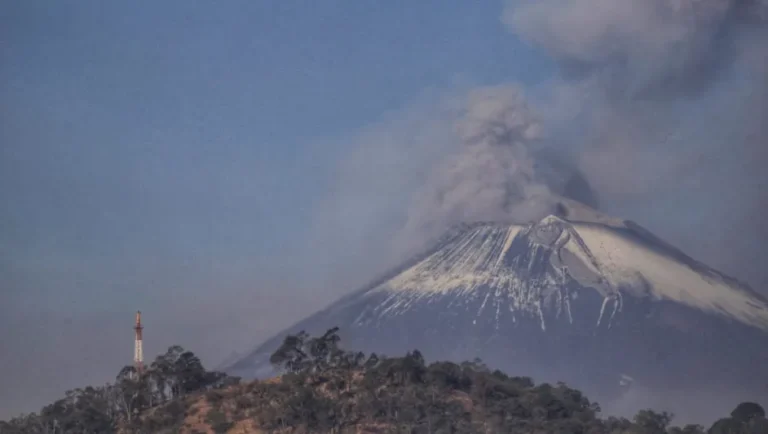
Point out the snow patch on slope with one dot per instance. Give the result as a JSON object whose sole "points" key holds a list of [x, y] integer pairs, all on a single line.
{"points": [[477, 259], [633, 268]]}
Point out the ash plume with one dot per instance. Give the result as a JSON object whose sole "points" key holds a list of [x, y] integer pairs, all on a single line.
{"points": [[640, 49], [501, 167], [629, 63], [671, 98], [656, 113], [491, 173]]}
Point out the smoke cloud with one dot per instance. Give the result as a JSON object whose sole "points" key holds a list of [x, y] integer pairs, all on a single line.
{"points": [[658, 110], [673, 97], [653, 49], [491, 174], [503, 171]]}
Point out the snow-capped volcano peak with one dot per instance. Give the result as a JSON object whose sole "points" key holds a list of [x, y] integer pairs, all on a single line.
{"points": [[532, 267], [568, 295]]}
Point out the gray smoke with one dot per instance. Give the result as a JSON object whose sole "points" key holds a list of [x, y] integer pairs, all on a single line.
{"points": [[491, 173], [640, 49], [502, 165], [669, 102], [633, 59], [658, 110]]}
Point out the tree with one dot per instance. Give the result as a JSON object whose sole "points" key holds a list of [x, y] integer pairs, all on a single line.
{"points": [[324, 350], [190, 375], [758, 425], [179, 372], [653, 422], [103, 410], [29, 424], [84, 411], [163, 374], [127, 392], [746, 411], [746, 418], [727, 425], [290, 356], [314, 355], [688, 429]]}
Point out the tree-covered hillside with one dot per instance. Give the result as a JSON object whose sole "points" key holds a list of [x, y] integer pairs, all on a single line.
{"points": [[128, 402], [326, 389]]}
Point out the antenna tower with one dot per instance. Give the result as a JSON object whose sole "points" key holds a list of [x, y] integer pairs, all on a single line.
{"points": [[138, 350]]}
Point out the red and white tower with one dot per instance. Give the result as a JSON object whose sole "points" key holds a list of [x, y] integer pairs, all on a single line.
{"points": [[138, 350]]}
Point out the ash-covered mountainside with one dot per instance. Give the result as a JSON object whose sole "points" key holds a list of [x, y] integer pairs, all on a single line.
{"points": [[587, 299]]}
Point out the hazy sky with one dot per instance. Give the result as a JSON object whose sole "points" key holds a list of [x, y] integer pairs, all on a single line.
{"points": [[181, 157], [165, 156]]}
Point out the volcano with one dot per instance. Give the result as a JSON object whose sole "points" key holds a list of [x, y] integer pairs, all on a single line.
{"points": [[576, 296]]}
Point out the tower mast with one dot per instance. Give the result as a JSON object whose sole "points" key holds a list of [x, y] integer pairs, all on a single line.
{"points": [[138, 350]]}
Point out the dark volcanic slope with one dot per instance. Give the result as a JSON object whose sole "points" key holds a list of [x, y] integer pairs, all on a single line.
{"points": [[584, 301]]}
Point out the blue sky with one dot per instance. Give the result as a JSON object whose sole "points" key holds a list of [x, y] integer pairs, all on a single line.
{"points": [[158, 151]]}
